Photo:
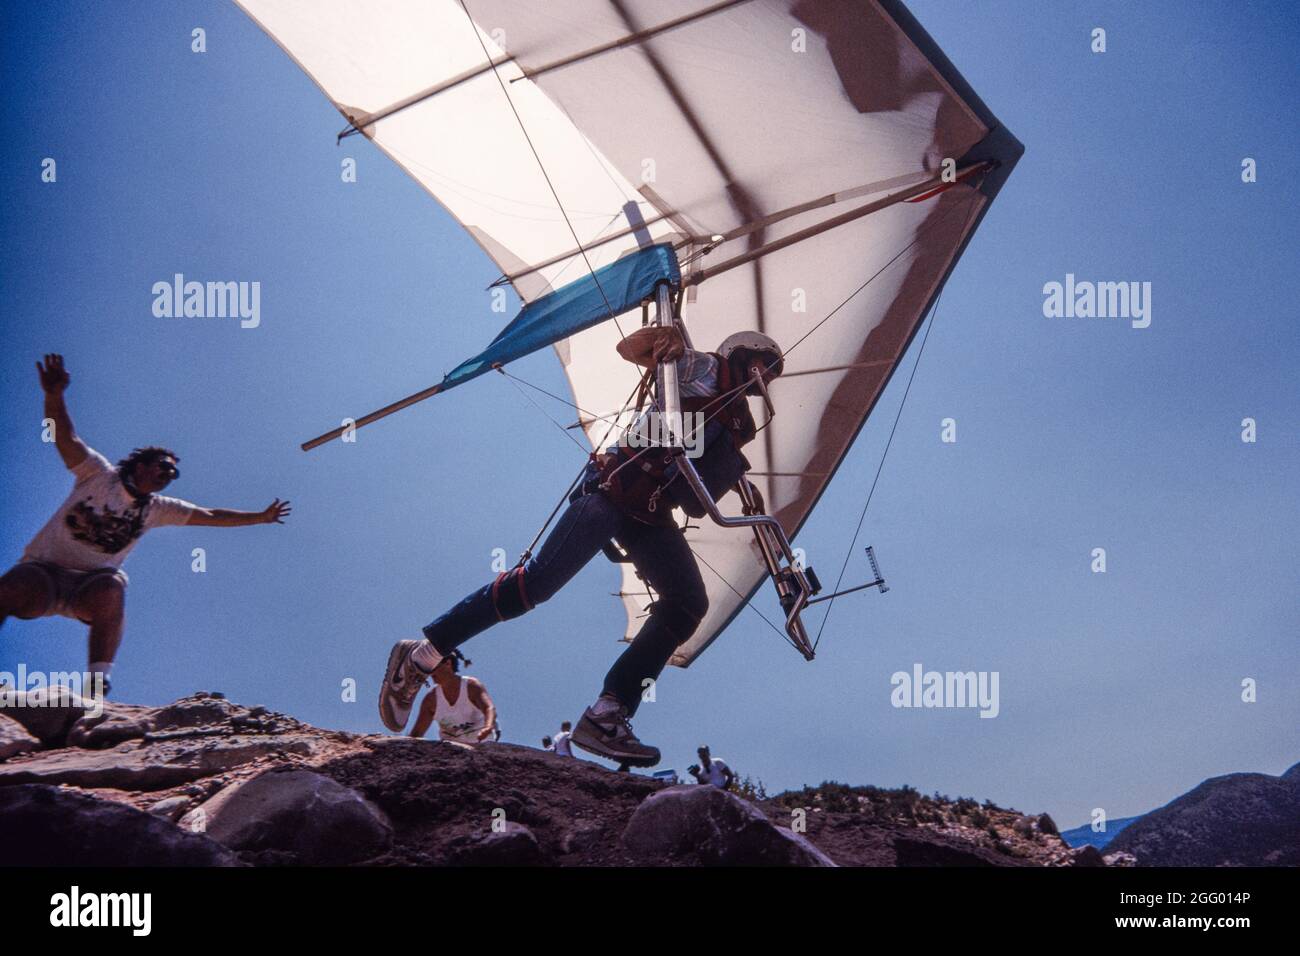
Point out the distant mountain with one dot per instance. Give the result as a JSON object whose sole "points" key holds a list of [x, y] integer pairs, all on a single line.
{"points": [[1241, 819], [1084, 835]]}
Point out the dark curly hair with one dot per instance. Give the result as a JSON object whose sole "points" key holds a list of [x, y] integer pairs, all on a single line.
{"points": [[457, 659], [144, 456]]}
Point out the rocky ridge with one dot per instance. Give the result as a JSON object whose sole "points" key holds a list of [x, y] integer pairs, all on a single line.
{"points": [[204, 781]]}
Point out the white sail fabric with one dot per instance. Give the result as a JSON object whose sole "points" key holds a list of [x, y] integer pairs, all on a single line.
{"points": [[704, 129]]}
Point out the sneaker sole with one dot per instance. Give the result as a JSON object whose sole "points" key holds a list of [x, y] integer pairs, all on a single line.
{"points": [[395, 656]]}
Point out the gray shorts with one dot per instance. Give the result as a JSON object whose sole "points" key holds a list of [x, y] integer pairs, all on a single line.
{"points": [[64, 585]]}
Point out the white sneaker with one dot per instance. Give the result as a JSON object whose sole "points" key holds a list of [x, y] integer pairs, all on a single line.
{"points": [[402, 681]]}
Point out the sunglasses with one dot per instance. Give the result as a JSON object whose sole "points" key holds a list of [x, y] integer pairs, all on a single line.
{"points": [[169, 469]]}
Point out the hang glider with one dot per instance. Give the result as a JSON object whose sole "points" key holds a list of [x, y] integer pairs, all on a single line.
{"points": [[811, 169]]}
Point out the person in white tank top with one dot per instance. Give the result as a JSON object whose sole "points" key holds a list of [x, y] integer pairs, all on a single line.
{"points": [[461, 706]]}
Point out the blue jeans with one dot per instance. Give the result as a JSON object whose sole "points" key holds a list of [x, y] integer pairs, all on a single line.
{"points": [[660, 554]]}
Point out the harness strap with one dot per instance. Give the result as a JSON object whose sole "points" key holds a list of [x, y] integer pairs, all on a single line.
{"points": [[510, 597]]}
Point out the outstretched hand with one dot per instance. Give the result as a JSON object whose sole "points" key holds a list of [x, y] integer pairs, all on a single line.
{"points": [[276, 512], [54, 377]]}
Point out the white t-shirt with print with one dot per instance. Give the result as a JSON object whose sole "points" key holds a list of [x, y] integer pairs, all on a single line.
{"points": [[100, 522]]}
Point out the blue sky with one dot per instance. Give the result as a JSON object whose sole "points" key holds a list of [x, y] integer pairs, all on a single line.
{"points": [[1118, 691]]}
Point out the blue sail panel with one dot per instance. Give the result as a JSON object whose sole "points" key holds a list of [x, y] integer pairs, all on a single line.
{"points": [[609, 291]]}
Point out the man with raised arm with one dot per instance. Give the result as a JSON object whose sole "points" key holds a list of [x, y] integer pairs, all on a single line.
{"points": [[73, 567]]}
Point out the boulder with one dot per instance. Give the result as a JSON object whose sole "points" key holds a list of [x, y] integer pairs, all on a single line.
{"points": [[1120, 858], [48, 826], [715, 828], [918, 847], [14, 739], [170, 808], [516, 845], [46, 715], [115, 724], [1086, 855], [582, 837], [314, 818]]}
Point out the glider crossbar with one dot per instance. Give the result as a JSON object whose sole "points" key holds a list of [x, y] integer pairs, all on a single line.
{"points": [[631, 39], [929, 186], [884, 202], [358, 123]]}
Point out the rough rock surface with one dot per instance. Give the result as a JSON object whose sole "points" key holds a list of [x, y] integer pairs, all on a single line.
{"points": [[321, 796], [515, 845], [870, 826], [136, 765], [705, 825], [1088, 855], [304, 814], [14, 739], [49, 826], [46, 715]]}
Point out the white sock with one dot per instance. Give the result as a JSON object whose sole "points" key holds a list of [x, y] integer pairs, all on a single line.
{"points": [[426, 657]]}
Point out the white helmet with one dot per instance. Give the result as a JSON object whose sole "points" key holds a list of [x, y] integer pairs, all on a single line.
{"points": [[754, 342]]}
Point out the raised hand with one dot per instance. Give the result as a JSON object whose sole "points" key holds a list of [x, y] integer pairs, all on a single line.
{"points": [[651, 345], [276, 512], [54, 377], [669, 346]]}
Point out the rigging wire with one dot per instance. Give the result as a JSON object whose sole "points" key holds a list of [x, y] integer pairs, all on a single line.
{"points": [[852, 295], [934, 312], [558, 398], [879, 468], [514, 381], [750, 604], [527, 553], [542, 166], [722, 404], [581, 471]]}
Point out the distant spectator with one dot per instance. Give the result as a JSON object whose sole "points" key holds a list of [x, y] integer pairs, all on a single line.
{"points": [[562, 740], [712, 770], [547, 745]]}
